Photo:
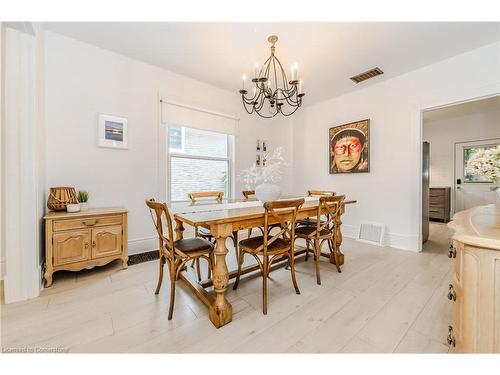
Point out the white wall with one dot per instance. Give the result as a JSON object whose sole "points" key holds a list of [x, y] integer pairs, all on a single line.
{"points": [[390, 193], [81, 81], [476, 121]]}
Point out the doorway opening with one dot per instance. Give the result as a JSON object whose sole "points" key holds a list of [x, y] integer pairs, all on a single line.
{"points": [[451, 136]]}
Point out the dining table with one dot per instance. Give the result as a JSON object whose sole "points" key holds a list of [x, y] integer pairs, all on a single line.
{"points": [[224, 219]]}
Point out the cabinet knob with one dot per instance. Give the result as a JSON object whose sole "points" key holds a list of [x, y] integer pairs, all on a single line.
{"points": [[86, 245], [90, 224], [451, 338], [452, 295], [452, 252], [93, 244]]}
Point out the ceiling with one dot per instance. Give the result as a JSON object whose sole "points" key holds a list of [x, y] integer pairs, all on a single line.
{"points": [[327, 53]]}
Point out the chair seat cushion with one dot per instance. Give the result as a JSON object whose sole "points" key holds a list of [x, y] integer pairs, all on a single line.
{"points": [[193, 245], [308, 231], [252, 244], [309, 221], [204, 232]]}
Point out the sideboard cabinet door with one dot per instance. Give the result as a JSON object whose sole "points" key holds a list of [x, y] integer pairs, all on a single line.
{"points": [[106, 241], [71, 247]]}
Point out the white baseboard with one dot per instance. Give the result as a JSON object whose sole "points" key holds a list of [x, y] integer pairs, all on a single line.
{"points": [[395, 240]]}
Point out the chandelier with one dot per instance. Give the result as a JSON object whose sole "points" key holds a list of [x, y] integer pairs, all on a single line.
{"points": [[271, 92]]}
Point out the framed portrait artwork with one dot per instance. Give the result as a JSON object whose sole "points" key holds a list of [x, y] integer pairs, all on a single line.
{"points": [[112, 132], [349, 147]]}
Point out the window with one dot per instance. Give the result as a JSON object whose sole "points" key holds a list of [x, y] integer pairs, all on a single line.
{"points": [[176, 138], [199, 160], [468, 152]]}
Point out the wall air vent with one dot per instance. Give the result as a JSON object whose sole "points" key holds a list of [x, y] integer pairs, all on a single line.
{"points": [[373, 233], [367, 75]]}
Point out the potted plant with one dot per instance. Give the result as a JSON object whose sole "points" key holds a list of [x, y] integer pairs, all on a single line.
{"points": [[264, 179], [83, 197]]}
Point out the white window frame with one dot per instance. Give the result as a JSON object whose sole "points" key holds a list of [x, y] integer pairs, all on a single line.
{"points": [[181, 154]]}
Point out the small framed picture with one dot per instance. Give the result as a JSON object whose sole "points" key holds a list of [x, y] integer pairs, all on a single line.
{"points": [[113, 132]]}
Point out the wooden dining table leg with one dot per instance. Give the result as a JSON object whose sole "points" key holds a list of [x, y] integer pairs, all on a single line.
{"points": [[338, 239], [221, 311]]}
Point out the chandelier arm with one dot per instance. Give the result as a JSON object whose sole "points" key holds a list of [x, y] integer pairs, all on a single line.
{"points": [[291, 113], [246, 109], [291, 93], [283, 75], [263, 65], [275, 76], [292, 102], [260, 105]]}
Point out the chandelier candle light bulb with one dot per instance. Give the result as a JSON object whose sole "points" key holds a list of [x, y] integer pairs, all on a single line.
{"points": [[243, 79]]}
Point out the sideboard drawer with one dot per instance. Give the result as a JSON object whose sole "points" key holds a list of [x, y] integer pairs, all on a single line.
{"points": [[100, 221]]}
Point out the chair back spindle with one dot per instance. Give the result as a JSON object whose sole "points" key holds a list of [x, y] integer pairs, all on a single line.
{"points": [[283, 213]]}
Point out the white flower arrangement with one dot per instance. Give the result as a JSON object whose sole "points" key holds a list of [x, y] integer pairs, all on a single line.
{"points": [[272, 172], [486, 163]]}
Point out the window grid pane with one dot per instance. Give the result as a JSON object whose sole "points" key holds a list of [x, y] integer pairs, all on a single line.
{"points": [[195, 175], [198, 142]]}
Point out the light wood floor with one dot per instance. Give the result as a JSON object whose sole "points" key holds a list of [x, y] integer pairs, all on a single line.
{"points": [[385, 300]]}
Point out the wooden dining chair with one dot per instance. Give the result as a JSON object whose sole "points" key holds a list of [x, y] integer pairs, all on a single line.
{"points": [[205, 232], [315, 193], [323, 230], [248, 195], [271, 248], [176, 253]]}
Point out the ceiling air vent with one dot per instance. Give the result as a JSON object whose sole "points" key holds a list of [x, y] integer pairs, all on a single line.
{"points": [[367, 75]]}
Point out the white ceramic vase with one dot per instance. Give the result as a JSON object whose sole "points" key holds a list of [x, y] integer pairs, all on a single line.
{"points": [[73, 207], [267, 192], [84, 206]]}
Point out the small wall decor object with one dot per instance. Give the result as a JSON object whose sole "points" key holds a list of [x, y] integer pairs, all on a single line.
{"points": [[83, 198], [264, 146], [257, 160], [60, 197], [113, 132], [258, 145], [349, 147]]}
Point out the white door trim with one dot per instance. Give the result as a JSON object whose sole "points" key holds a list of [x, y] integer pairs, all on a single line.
{"points": [[482, 92]]}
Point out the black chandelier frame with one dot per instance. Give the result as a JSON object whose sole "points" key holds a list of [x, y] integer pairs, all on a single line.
{"points": [[276, 98]]}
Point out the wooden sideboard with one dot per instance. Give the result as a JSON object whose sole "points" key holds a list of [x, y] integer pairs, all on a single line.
{"points": [[439, 203], [475, 286], [85, 239]]}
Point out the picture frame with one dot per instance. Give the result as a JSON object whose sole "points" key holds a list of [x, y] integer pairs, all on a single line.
{"points": [[349, 147], [112, 132]]}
